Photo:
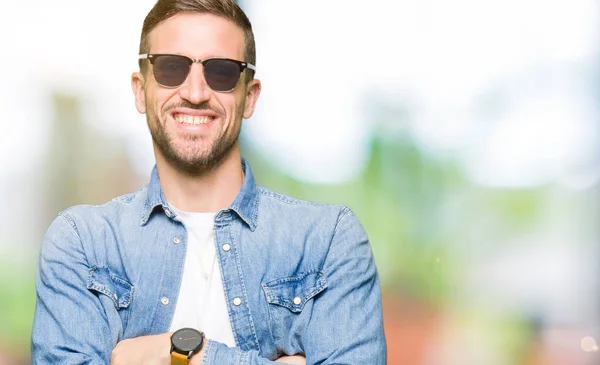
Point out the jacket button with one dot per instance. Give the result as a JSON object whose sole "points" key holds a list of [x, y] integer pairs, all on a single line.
{"points": [[164, 301], [168, 213], [177, 240], [226, 247], [237, 302], [297, 300]]}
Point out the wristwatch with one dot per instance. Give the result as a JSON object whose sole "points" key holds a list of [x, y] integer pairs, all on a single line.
{"points": [[185, 343]]}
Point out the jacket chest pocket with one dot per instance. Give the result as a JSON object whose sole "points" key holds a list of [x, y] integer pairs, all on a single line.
{"points": [[115, 294], [290, 302]]}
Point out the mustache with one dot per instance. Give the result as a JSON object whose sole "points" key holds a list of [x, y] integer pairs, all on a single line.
{"points": [[186, 104]]}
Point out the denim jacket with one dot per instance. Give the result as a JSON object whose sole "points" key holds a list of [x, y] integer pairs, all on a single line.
{"points": [[298, 277]]}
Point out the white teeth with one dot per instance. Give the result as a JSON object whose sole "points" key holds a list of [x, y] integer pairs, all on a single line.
{"points": [[191, 119]]}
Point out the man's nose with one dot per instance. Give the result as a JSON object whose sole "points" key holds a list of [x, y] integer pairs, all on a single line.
{"points": [[194, 89]]}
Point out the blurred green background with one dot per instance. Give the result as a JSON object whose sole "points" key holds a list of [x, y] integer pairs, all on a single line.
{"points": [[463, 134]]}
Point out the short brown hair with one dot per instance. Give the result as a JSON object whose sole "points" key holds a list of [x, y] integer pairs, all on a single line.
{"points": [[228, 9]]}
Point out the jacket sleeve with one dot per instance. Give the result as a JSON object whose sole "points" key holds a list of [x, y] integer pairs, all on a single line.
{"points": [[70, 325], [351, 304], [350, 307]]}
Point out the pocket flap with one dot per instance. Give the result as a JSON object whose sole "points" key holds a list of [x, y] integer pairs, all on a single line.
{"points": [[293, 292], [109, 284]]}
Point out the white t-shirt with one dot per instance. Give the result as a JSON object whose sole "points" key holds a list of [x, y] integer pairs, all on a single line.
{"points": [[201, 303]]}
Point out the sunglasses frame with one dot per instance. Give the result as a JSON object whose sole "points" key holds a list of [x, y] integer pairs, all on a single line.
{"points": [[152, 57]]}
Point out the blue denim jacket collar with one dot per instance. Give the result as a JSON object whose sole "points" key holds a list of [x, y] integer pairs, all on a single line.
{"points": [[245, 203]]}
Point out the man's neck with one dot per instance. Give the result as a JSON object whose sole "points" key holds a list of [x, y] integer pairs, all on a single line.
{"points": [[209, 192]]}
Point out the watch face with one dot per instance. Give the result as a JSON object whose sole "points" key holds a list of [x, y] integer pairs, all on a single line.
{"points": [[187, 339]]}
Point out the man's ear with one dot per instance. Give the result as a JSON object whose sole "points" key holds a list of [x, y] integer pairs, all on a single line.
{"points": [[137, 85], [253, 88]]}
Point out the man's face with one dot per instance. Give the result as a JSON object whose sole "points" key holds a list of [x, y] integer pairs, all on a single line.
{"points": [[193, 127]]}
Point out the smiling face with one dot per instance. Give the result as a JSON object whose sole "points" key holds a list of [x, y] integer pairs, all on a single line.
{"points": [[195, 129]]}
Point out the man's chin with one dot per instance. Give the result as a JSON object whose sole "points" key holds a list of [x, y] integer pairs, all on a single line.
{"points": [[198, 165], [195, 161]]}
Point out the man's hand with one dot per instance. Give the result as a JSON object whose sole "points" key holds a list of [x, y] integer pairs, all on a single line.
{"points": [[294, 360], [145, 350]]}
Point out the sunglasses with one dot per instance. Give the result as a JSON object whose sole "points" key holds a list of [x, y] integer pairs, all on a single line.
{"points": [[221, 74]]}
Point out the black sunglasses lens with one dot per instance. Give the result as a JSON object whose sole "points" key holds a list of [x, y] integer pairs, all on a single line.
{"points": [[171, 70], [221, 75]]}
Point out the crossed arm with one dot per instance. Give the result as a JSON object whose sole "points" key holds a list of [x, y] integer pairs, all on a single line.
{"points": [[154, 350], [71, 325]]}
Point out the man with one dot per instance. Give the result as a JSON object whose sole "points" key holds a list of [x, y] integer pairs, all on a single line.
{"points": [[202, 266]]}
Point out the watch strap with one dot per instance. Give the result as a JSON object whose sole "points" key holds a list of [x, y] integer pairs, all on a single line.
{"points": [[178, 359]]}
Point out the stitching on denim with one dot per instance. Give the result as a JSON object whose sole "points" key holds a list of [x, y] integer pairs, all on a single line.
{"points": [[207, 352], [221, 269], [64, 215], [343, 213], [297, 277], [246, 220], [255, 212], [243, 284], [245, 358], [129, 197], [269, 311], [73, 226], [289, 200], [123, 301], [129, 288], [173, 227], [319, 286]]}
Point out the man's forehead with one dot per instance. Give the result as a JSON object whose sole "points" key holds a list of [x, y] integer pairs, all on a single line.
{"points": [[196, 32]]}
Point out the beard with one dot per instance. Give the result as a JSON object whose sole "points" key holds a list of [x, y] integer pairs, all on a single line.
{"points": [[195, 158]]}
